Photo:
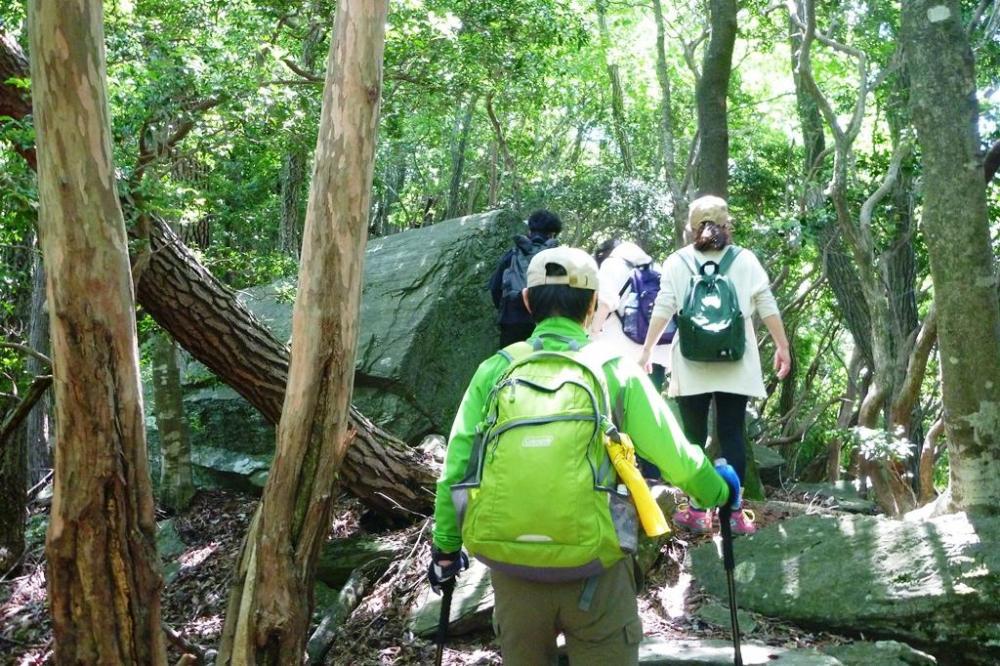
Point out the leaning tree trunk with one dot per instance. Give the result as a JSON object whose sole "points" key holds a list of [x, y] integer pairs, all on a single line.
{"points": [[269, 610], [711, 93], [176, 483], [205, 317], [102, 569], [963, 268]]}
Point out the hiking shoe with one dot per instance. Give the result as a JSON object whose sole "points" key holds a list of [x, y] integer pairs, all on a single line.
{"points": [[693, 520], [742, 522]]}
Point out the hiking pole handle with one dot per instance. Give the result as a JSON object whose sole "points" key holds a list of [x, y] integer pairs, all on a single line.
{"points": [[441, 637]]}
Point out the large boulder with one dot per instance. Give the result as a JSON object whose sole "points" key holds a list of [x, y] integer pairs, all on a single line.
{"points": [[426, 323], [934, 583]]}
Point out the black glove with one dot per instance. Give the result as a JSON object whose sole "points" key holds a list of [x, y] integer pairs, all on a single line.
{"points": [[438, 574]]}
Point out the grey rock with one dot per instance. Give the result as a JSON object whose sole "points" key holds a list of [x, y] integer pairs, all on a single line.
{"points": [[426, 320], [219, 467], [840, 496], [767, 458], [935, 583], [718, 615], [168, 541], [883, 653], [170, 546], [661, 652], [471, 605]]}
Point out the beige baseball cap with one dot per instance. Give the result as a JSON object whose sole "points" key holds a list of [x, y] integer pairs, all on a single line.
{"points": [[581, 269], [708, 209]]}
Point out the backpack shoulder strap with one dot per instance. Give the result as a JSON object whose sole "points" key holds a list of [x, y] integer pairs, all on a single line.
{"points": [[691, 262], [516, 351], [728, 258]]}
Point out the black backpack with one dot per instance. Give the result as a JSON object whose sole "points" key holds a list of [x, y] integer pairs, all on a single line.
{"points": [[515, 276]]}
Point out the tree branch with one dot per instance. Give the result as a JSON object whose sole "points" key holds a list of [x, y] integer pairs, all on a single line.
{"points": [[25, 349], [34, 393], [916, 367]]}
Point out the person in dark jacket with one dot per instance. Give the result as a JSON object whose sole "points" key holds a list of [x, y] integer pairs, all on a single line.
{"points": [[507, 280]]}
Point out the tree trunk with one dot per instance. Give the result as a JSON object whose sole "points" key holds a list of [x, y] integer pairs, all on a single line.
{"points": [[462, 130], [668, 140], [38, 426], [711, 93], [206, 319], [928, 460], [293, 168], [274, 596], [176, 484], [618, 123], [963, 268], [844, 416], [15, 101], [13, 498], [102, 569]]}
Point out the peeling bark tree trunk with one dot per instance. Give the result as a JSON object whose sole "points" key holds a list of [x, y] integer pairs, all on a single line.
{"points": [[711, 94], [270, 607], [102, 569], [176, 484], [963, 268]]}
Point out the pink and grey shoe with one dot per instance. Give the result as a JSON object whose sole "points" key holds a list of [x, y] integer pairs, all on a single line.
{"points": [[693, 520], [742, 522]]}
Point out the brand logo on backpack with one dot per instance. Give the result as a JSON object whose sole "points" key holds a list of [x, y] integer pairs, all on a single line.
{"points": [[539, 493], [710, 320], [636, 310]]}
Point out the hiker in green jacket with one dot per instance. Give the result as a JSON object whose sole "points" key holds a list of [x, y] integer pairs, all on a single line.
{"points": [[543, 582]]}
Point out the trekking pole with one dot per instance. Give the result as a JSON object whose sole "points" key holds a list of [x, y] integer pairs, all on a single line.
{"points": [[729, 562], [447, 589]]}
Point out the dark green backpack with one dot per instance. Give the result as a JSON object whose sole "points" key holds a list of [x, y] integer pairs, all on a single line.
{"points": [[710, 322]]}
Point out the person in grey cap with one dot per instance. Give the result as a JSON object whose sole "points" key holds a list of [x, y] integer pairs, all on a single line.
{"points": [[506, 487]]}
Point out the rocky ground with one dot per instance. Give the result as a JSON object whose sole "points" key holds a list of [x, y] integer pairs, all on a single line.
{"points": [[203, 543]]}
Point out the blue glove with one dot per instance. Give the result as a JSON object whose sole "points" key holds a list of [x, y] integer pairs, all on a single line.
{"points": [[438, 574], [728, 474]]}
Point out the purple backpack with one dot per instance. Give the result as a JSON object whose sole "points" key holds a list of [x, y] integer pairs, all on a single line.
{"points": [[642, 287]]}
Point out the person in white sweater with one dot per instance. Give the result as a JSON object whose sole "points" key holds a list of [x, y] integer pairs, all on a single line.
{"points": [[729, 383]]}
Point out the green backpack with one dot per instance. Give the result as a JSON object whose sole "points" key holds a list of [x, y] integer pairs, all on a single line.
{"points": [[710, 322], [539, 497]]}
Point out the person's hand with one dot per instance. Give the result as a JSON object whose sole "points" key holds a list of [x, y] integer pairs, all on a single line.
{"points": [[728, 474], [444, 567], [645, 362], [782, 362]]}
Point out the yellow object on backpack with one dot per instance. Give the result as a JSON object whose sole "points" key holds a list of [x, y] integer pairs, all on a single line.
{"points": [[622, 454]]}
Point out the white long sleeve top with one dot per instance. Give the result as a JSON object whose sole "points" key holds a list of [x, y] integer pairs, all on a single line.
{"points": [[753, 290]]}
